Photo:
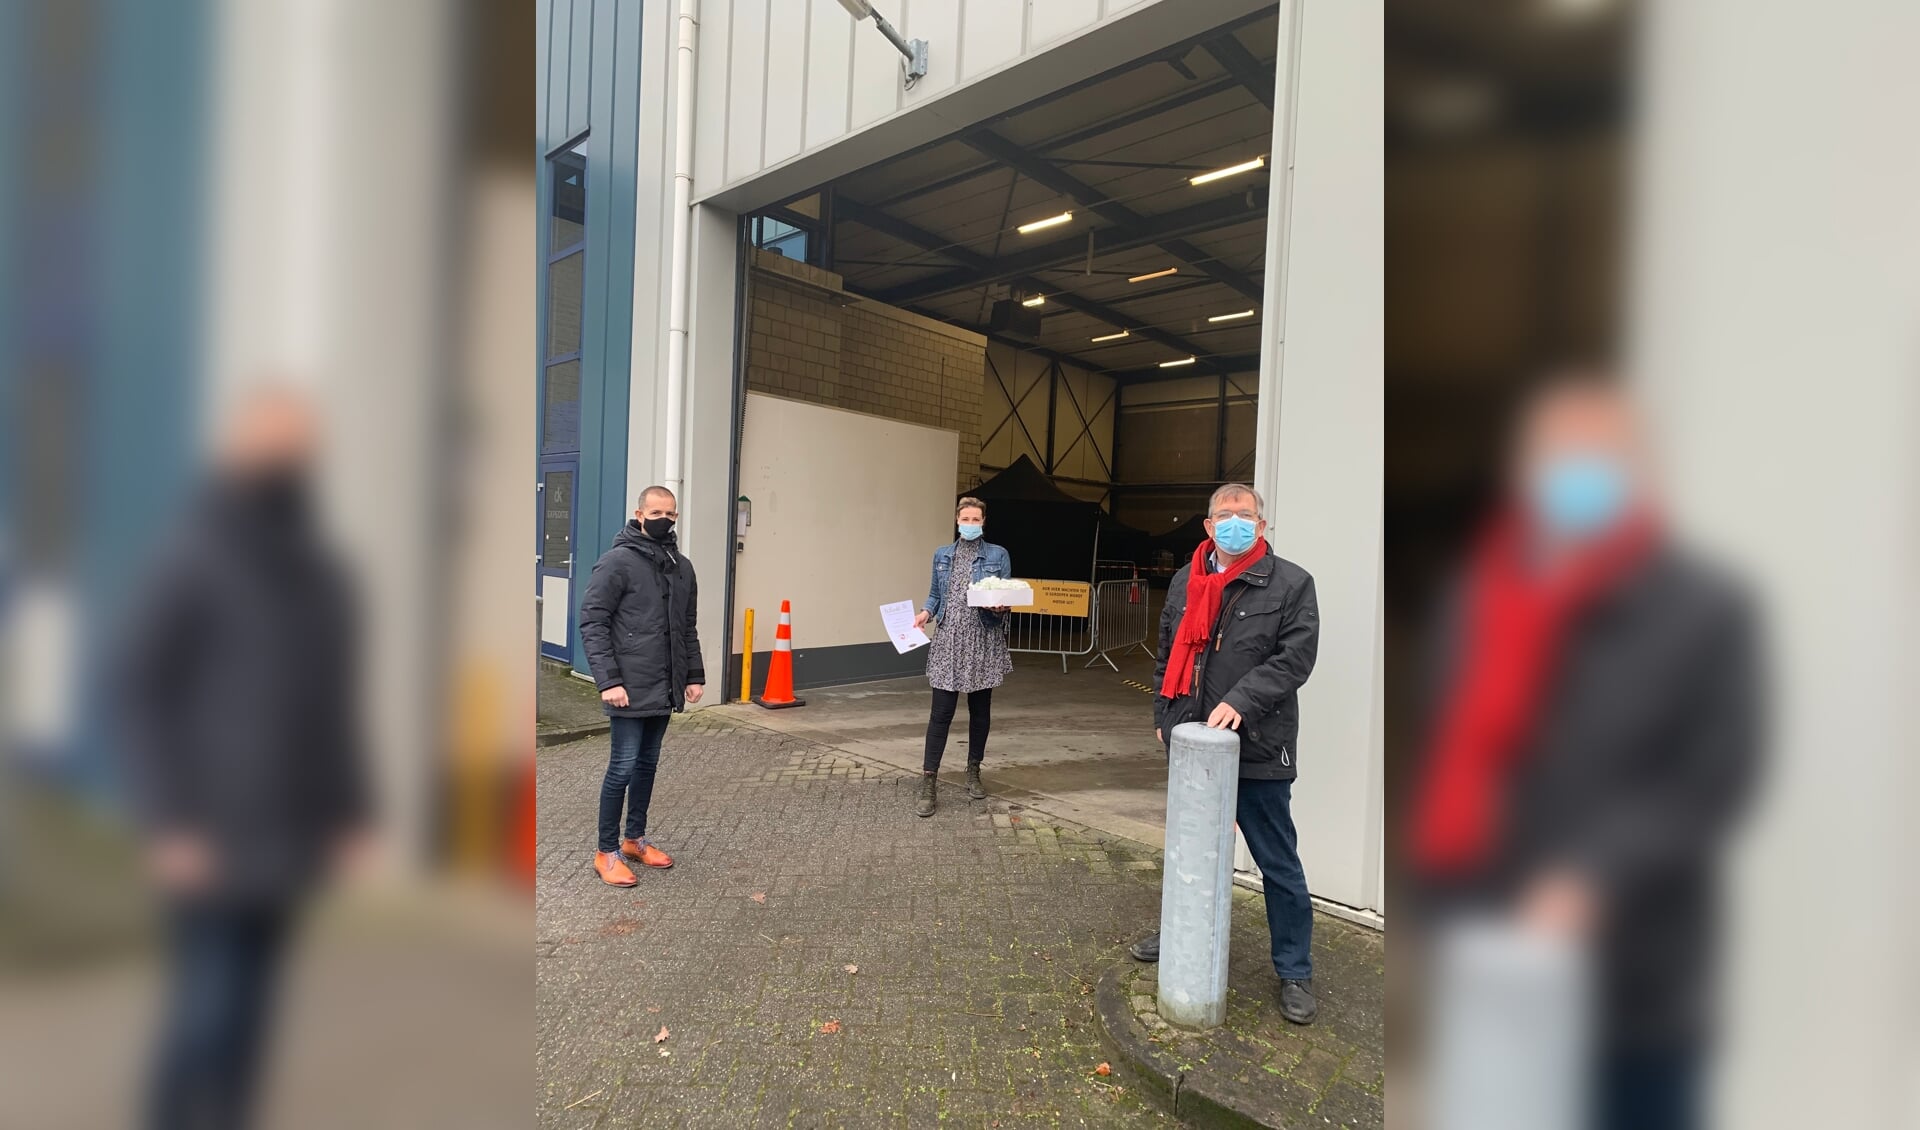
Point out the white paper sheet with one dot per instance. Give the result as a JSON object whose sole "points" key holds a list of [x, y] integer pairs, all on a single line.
{"points": [[898, 618]]}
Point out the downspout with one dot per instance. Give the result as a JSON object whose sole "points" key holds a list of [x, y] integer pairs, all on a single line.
{"points": [[688, 25]]}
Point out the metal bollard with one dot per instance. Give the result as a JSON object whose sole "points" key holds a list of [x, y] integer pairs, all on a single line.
{"points": [[1196, 887]]}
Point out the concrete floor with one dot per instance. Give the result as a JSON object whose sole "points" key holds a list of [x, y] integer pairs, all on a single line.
{"points": [[1079, 745]]}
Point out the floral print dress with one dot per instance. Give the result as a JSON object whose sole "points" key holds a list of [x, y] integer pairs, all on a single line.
{"points": [[966, 655]]}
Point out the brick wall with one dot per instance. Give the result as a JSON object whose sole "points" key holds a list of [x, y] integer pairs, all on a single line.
{"points": [[807, 339]]}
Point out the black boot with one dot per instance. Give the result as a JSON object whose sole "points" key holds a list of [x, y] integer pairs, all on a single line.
{"points": [[1147, 948], [974, 788], [926, 803]]}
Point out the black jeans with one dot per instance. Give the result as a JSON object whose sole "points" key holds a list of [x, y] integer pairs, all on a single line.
{"points": [[223, 968], [630, 770], [979, 720]]}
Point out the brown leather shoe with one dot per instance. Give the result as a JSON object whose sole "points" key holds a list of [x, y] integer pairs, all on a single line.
{"points": [[645, 853], [612, 872]]}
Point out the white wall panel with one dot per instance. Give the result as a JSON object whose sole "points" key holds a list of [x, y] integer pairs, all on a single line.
{"points": [[876, 76], [786, 79], [822, 479], [712, 50], [1322, 404], [1051, 20], [937, 22], [746, 88], [798, 85], [992, 36], [829, 72]]}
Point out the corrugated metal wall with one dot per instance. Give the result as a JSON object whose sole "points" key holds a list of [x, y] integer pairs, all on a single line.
{"points": [[779, 78]]}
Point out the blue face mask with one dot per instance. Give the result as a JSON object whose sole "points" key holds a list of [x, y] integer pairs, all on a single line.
{"points": [[1579, 496], [1233, 536], [971, 532]]}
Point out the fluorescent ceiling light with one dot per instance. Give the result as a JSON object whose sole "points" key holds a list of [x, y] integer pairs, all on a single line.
{"points": [[1231, 317], [1036, 300], [1242, 167], [1155, 275], [1049, 222], [1177, 364], [1114, 337]]}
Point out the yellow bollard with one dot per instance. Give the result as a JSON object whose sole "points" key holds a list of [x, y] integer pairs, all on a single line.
{"points": [[746, 661]]}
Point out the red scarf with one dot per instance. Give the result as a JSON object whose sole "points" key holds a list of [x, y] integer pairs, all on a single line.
{"points": [[1516, 627], [1204, 591]]}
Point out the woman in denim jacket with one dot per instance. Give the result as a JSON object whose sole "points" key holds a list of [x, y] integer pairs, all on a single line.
{"points": [[969, 653]]}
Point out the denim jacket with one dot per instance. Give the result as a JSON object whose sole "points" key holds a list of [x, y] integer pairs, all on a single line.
{"points": [[992, 562]]}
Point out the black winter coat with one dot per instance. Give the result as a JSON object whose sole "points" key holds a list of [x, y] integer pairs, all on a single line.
{"points": [[238, 692], [1643, 754], [637, 624], [1263, 650]]}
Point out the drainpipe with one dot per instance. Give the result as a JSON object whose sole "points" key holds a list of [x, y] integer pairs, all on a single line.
{"points": [[688, 25]]}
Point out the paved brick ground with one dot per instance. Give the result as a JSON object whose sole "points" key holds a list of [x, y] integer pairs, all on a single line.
{"points": [[977, 936]]}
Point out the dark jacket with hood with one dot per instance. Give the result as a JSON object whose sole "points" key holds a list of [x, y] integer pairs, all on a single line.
{"points": [[238, 694], [637, 624], [1262, 652]]}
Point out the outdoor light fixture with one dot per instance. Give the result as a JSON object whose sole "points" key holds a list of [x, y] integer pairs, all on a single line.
{"points": [[1049, 222], [1113, 337], [1155, 275], [1177, 364], [1231, 317], [1036, 300], [915, 50], [1242, 167]]}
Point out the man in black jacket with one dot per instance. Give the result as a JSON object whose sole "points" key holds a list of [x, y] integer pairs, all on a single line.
{"points": [[1594, 736], [239, 708], [1237, 640], [637, 626]]}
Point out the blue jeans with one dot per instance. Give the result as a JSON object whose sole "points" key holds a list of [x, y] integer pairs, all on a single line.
{"points": [[1265, 815], [630, 770], [223, 968]]}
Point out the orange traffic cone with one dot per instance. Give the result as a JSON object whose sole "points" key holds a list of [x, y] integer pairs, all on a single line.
{"points": [[778, 693]]}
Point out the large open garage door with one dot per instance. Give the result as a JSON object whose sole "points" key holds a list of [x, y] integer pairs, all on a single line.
{"points": [[1059, 309]]}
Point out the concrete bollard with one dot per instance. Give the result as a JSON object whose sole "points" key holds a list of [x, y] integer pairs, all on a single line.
{"points": [[1196, 886]]}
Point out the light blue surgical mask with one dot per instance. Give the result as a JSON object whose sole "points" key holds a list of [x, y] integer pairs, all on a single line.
{"points": [[971, 532], [1233, 536], [1580, 495]]}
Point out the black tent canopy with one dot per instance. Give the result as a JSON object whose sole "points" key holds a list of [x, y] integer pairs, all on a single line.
{"points": [[1050, 534]]}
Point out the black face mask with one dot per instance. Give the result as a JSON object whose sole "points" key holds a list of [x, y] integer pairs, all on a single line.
{"points": [[657, 528]]}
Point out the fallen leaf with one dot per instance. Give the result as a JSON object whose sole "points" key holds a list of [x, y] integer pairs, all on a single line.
{"points": [[661, 1038], [830, 1027], [655, 1008], [760, 897], [1104, 1069], [853, 969], [1013, 819]]}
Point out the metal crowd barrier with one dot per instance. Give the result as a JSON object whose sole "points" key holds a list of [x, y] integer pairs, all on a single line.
{"points": [[1044, 633], [1120, 621]]}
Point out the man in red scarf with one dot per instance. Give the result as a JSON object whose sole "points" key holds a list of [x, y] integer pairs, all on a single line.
{"points": [[1596, 732], [1238, 637]]}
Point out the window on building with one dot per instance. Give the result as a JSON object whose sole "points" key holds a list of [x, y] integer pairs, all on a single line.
{"points": [[782, 238], [566, 303]]}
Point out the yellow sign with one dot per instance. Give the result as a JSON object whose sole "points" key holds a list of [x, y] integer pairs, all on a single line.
{"points": [[1059, 598]]}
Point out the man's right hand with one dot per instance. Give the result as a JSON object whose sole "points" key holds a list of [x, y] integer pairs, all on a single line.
{"points": [[615, 697], [1158, 736]]}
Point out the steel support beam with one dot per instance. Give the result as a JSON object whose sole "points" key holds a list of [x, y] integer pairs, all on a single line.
{"points": [[1216, 213], [1236, 60]]}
